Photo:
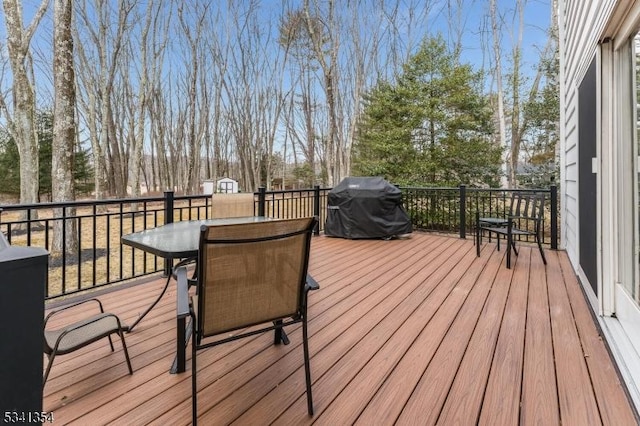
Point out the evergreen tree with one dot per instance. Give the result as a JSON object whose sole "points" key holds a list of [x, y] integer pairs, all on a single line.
{"points": [[10, 164], [431, 127]]}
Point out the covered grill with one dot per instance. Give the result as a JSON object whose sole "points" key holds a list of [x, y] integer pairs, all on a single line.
{"points": [[366, 207]]}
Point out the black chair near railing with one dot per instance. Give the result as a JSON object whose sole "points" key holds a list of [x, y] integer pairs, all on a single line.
{"points": [[525, 218]]}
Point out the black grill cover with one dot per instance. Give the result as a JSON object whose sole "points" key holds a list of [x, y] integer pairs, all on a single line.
{"points": [[366, 207]]}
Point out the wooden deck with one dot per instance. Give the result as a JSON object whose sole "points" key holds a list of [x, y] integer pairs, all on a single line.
{"points": [[416, 331]]}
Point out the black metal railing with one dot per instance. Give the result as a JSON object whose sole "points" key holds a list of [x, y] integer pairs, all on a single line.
{"points": [[293, 203], [452, 210], [98, 258]]}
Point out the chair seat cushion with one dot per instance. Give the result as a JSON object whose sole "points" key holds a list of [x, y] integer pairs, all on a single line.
{"points": [[82, 333]]}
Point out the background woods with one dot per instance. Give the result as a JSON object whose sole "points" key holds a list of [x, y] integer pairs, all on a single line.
{"points": [[157, 94]]}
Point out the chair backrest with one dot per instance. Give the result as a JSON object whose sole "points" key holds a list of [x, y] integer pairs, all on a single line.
{"points": [[251, 273], [232, 205], [529, 207]]}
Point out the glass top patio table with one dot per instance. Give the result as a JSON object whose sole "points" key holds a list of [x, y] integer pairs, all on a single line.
{"points": [[179, 240]]}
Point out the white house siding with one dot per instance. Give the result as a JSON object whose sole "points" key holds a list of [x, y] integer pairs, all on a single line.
{"points": [[584, 25], [581, 26]]}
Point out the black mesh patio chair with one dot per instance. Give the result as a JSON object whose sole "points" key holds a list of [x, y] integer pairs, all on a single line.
{"points": [[525, 219], [252, 274], [81, 333]]}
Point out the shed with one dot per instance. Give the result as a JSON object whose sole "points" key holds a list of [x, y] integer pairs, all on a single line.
{"points": [[227, 186]]}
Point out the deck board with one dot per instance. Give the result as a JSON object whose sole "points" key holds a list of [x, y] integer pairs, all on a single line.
{"points": [[539, 392], [505, 376], [462, 387], [406, 331], [443, 337], [603, 375], [408, 318], [576, 408]]}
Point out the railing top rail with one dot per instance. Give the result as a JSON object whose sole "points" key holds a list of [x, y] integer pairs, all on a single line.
{"points": [[84, 203], [434, 188], [475, 189], [293, 191], [511, 190]]}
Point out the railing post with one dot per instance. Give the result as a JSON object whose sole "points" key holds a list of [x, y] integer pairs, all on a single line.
{"points": [[316, 208], [262, 200], [168, 218], [28, 226], [168, 207], [554, 217], [463, 211]]}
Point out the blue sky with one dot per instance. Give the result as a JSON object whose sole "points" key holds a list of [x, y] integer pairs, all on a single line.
{"points": [[472, 19], [537, 17]]}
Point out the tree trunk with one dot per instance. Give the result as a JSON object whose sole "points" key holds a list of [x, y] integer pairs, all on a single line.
{"points": [[65, 235], [500, 118], [518, 123], [22, 124]]}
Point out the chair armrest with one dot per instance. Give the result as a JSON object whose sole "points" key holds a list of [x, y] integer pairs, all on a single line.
{"points": [[524, 218], [493, 220], [184, 262], [73, 305], [182, 292], [311, 284]]}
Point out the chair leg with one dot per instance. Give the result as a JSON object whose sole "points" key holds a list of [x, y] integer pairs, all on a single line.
{"points": [[478, 234], [280, 336], [194, 387], [544, 259], [509, 244], [126, 352], [111, 343], [307, 366], [46, 374]]}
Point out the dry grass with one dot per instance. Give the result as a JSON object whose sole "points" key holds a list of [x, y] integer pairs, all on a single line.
{"points": [[100, 257]]}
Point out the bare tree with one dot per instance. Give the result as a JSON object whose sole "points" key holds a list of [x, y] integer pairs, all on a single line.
{"points": [[253, 95], [325, 41], [148, 49], [518, 124], [516, 92], [100, 43], [21, 124], [64, 124], [294, 38], [362, 70], [218, 150], [496, 32], [192, 27]]}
